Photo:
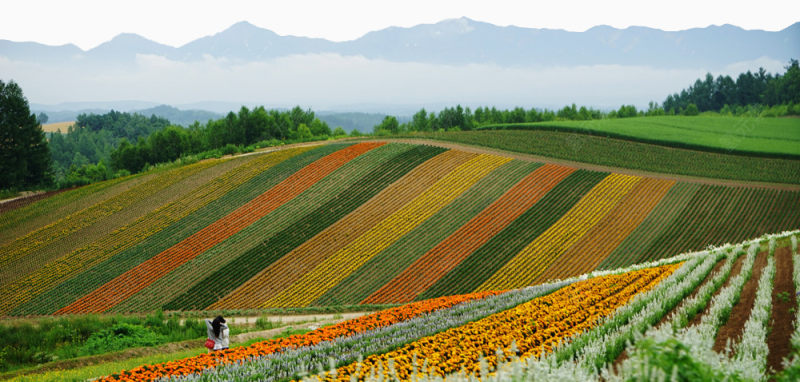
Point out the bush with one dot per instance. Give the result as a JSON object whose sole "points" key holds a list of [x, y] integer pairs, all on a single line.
{"points": [[229, 149], [691, 109], [118, 337]]}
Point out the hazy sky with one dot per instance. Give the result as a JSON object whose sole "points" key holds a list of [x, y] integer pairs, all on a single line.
{"points": [[87, 23]]}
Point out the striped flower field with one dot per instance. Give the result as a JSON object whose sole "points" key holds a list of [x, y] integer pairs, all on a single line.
{"points": [[574, 329], [357, 222]]}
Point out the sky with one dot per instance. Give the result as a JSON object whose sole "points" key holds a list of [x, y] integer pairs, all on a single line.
{"points": [[88, 23]]}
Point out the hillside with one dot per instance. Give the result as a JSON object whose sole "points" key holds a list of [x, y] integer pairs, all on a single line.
{"points": [[580, 148], [349, 223]]}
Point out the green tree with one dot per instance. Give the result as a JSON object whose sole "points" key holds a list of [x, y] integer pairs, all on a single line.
{"points": [[24, 154], [303, 132], [419, 122], [319, 128], [339, 132], [43, 118], [691, 109], [389, 124]]}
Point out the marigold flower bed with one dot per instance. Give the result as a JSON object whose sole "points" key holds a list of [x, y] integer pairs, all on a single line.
{"points": [[527, 330], [358, 325]]}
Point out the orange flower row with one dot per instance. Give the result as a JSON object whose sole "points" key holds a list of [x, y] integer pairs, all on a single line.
{"points": [[141, 276], [527, 330], [446, 255], [358, 325]]}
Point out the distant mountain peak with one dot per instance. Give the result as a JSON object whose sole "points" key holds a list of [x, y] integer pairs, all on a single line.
{"points": [[460, 25], [129, 37], [245, 26]]}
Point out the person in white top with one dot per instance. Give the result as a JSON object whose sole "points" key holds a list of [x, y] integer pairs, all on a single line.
{"points": [[218, 332]]}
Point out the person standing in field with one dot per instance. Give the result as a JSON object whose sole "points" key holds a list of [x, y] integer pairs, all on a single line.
{"points": [[218, 333]]}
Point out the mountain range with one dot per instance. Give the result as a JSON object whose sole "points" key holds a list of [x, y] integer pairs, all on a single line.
{"points": [[451, 42]]}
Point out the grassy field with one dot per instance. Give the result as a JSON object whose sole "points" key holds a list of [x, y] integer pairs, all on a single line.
{"points": [[629, 154], [55, 127], [777, 137]]}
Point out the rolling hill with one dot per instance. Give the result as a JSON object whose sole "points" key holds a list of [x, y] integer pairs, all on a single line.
{"points": [[367, 222]]}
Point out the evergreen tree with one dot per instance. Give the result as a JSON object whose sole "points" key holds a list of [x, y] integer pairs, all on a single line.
{"points": [[24, 154]]}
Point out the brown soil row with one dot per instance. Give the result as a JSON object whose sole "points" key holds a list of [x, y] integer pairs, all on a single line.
{"points": [[783, 301], [732, 329], [735, 269], [624, 355], [708, 279]]}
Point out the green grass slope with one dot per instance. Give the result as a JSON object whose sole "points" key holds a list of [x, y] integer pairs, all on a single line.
{"points": [[774, 137], [629, 154]]}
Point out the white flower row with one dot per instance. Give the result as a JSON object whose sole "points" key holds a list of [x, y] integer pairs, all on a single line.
{"points": [[309, 359], [691, 306]]}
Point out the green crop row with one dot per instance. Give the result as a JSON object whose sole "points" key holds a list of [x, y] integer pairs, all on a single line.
{"points": [[205, 264], [107, 270], [384, 266], [489, 258], [628, 154], [248, 264]]}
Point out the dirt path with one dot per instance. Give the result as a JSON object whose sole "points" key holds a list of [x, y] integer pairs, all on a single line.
{"points": [[732, 330], [783, 300], [295, 322], [706, 280], [290, 319], [27, 198], [589, 166]]}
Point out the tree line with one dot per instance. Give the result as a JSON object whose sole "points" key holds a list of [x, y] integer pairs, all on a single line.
{"points": [[233, 133], [460, 118], [729, 96]]}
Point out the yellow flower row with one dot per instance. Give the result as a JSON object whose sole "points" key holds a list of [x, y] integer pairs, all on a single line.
{"points": [[529, 329], [523, 268], [87, 217], [609, 232], [337, 267], [125, 237]]}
